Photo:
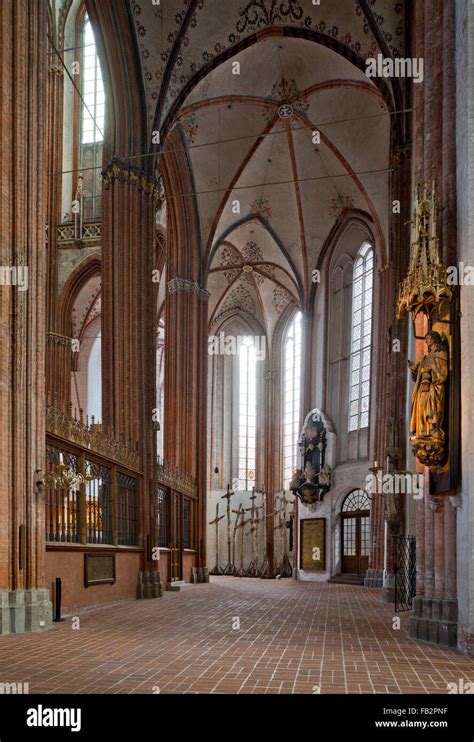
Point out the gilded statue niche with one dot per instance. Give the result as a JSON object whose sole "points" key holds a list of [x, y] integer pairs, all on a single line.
{"points": [[427, 436], [425, 290]]}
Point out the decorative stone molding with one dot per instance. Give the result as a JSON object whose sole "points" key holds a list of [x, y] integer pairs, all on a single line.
{"points": [[173, 477], [90, 436], [434, 504], [53, 338], [91, 232], [126, 173], [456, 501], [183, 284]]}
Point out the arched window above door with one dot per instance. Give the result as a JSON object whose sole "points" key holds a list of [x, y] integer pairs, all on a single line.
{"points": [[356, 501]]}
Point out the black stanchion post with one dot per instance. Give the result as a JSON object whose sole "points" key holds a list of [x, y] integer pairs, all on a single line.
{"points": [[57, 601]]}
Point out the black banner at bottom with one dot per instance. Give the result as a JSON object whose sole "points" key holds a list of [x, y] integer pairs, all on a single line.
{"points": [[86, 716]]}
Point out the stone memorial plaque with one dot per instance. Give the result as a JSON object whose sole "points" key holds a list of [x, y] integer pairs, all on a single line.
{"points": [[99, 569], [313, 544]]}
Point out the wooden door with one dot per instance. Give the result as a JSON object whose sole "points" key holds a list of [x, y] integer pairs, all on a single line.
{"points": [[355, 542]]}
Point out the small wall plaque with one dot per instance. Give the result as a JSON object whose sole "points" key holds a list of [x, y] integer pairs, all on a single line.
{"points": [[99, 569], [313, 544]]}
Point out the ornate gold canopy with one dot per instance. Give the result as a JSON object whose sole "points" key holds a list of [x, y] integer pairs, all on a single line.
{"points": [[426, 283]]}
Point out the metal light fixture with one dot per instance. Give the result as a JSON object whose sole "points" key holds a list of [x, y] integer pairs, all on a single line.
{"points": [[65, 478]]}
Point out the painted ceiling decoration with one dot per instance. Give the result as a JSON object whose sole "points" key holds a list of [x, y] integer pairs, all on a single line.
{"points": [[240, 298], [214, 27], [281, 299], [249, 264], [250, 136], [87, 307]]}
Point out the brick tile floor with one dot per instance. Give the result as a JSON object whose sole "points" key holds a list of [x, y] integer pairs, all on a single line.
{"points": [[294, 637]]}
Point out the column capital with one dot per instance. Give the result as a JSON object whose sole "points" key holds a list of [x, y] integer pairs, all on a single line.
{"points": [[126, 173], [184, 284]]}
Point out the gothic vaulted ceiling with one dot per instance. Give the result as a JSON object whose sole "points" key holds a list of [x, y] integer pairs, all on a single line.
{"points": [[268, 190]]}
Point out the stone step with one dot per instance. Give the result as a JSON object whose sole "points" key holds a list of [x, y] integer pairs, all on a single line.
{"points": [[348, 579], [176, 587]]}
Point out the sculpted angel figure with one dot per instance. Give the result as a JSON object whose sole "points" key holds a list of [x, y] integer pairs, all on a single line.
{"points": [[430, 376]]}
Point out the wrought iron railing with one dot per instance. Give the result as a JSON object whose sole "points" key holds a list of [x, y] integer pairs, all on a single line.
{"points": [[127, 509], [63, 506], [99, 504], [187, 532], [404, 568], [93, 482], [100, 508], [162, 515]]}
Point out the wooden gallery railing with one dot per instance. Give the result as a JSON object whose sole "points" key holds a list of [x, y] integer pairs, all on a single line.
{"points": [[92, 484]]}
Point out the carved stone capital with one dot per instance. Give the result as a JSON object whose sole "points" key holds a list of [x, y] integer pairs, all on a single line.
{"points": [[126, 173], [456, 501], [53, 338], [184, 284]]}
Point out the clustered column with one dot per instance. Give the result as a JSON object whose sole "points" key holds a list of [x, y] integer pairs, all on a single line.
{"points": [[129, 316], [185, 441], [435, 616], [24, 601]]}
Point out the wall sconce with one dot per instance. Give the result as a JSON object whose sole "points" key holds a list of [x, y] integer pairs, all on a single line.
{"points": [[39, 483], [375, 469], [65, 478]]}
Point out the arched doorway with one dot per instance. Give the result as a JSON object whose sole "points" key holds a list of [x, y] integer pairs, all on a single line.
{"points": [[355, 533]]}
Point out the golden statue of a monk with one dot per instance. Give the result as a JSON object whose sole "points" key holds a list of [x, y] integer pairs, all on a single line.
{"points": [[427, 410]]}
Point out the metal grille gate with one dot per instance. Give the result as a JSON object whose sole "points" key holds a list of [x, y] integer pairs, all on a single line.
{"points": [[404, 569]]}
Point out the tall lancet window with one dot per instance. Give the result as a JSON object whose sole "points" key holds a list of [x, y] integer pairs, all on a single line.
{"points": [[92, 122], [247, 413], [361, 338], [291, 397], [93, 103], [160, 384]]}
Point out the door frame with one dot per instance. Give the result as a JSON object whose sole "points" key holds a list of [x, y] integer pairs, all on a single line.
{"points": [[358, 515]]}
